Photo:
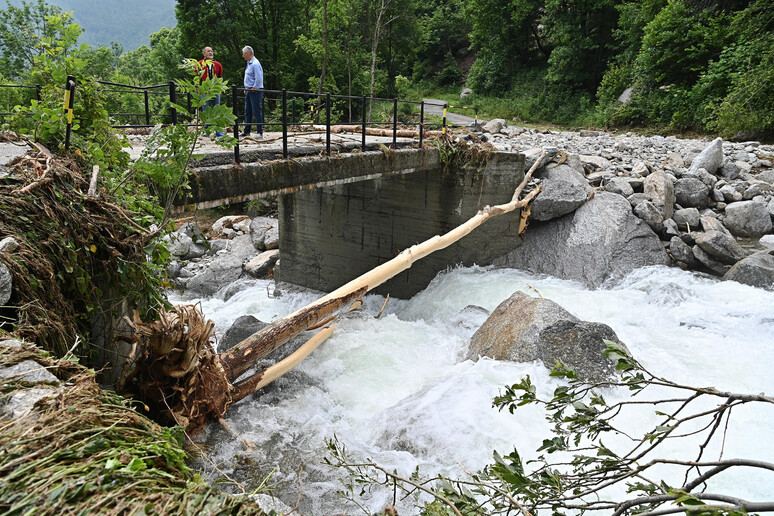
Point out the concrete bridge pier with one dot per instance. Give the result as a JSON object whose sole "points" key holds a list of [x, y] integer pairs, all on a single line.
{"points": [[333, 234]]}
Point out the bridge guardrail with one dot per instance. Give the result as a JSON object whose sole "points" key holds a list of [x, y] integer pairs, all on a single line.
{"points": [[276, 100]]}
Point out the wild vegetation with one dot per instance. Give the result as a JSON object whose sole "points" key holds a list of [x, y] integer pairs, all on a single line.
{"points": [[691, 65], [544, 61]]}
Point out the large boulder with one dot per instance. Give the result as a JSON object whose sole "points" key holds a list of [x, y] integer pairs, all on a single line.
{"points": [[600, 240], [260, 266], [495, 125], [224, 268], [239, 330], [710, 159], [219, 273], [748, 218], [259, 227], [563, 190], [523, 329], [756, 270], [620, 186]]}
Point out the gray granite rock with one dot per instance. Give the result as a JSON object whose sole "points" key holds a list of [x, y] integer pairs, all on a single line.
{"points": [[524, 329], [721, 246], [748, 218], [687, 218], [660, 190], [681, 251], [562, 191], [652, 216], [691, 192], [6, 284], [710, 159], [600, 240], [756, 270]]}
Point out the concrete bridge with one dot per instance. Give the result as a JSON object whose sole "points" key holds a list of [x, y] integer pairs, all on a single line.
{"points": [[342, 215]]}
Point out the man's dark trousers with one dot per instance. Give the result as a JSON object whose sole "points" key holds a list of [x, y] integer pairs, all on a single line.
{"points": [[253, 111]]}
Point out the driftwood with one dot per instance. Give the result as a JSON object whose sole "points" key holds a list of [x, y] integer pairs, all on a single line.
{"points": [[93, 184], [192, 385], [245, 354]]}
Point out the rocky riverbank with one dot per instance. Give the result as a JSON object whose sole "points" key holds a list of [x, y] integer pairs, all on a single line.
{"points": [[609, 204]]}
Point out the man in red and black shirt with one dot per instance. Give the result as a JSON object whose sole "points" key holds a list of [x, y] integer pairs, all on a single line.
{"points": [[210, 69]]}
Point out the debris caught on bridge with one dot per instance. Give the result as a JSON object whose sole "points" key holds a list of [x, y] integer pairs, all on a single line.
{"points": [[183, 393]]}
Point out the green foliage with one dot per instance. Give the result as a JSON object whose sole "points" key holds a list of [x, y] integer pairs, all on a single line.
{"points": [[164, 163], [92, 138], [92, 451], [21, 30], [582, 35], [679, 43]]}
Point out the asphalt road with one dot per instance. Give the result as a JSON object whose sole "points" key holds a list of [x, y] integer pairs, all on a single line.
{"points": [[435, 107]]}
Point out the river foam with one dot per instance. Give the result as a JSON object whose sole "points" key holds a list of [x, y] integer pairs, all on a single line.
{"points": [[398, 390]]}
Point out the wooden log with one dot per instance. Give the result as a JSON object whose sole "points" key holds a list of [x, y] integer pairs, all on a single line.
{"points": [[268, 375], [93, 183], [244, 355]]}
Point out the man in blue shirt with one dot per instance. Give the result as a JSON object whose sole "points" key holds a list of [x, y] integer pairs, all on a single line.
{"points": [[253, 93]]}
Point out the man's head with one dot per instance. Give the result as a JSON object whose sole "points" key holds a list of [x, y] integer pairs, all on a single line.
{"points": [[248, 53], [207, 52]]}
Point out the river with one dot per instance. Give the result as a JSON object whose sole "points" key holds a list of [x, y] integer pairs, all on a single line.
{"points": [[398, 390]]}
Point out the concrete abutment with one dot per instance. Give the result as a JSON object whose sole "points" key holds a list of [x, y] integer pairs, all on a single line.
{"points": [[332, 234]]}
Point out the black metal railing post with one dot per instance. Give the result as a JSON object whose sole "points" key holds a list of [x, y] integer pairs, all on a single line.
{"points": [[147, 108], [236, 122], [263, 112], [173, 100], [284, 123], [328, 124], [395, 123], [421, 122], [363, 130], [68, 107]]}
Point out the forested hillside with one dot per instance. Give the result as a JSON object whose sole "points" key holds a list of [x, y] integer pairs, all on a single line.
{"points": [[126, 22], [666, 65]]}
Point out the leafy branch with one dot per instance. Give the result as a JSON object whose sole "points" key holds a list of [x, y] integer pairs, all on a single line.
{"points": [[577, 472]]}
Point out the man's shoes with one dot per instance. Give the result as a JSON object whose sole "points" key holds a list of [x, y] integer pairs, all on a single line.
{"points": [[242, 135], [259, 136]]}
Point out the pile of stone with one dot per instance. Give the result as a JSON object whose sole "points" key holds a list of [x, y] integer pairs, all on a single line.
{"points": [[711, 205], [234, 247]]}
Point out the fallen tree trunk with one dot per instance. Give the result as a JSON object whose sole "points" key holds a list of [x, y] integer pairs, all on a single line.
{"points": [[245, 354], [200, 394]]}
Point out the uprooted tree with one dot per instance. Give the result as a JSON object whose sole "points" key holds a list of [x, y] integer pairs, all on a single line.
{"points": [[594, 462], [175, 369]]}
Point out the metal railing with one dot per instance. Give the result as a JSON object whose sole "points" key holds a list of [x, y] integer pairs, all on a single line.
{"points": [[280, 109]]}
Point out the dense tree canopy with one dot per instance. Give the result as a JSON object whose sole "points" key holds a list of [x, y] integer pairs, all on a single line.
{"points": [[704, 65]]}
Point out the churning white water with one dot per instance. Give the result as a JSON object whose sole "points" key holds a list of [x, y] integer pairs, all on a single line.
{"points": [[398, 390]]}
